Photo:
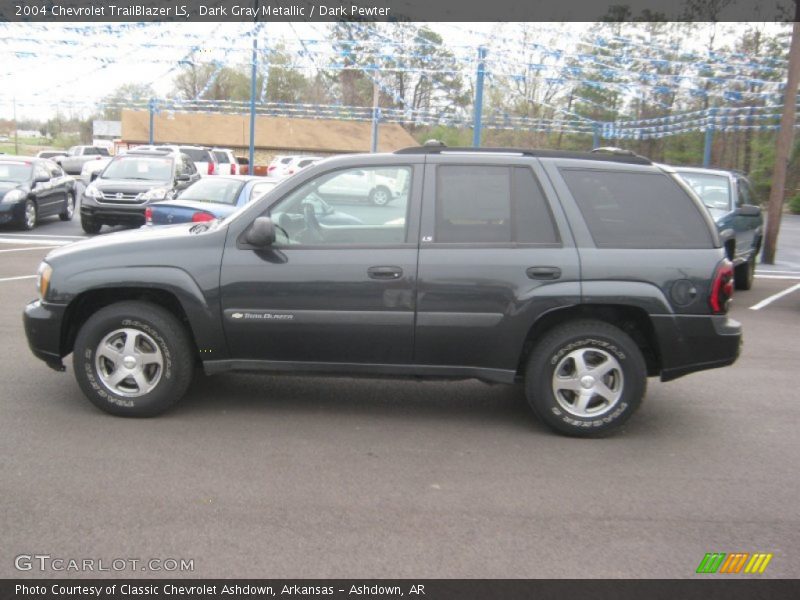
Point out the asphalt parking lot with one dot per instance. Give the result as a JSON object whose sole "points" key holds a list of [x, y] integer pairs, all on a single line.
{"points": [[276, 476]]}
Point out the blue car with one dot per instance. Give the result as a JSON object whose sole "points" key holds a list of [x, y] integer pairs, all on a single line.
{"points": [[207, 199], [217, 197]]}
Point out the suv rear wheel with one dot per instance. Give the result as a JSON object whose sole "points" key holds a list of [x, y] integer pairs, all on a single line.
{"points": [[585, 378], [133, 359]]}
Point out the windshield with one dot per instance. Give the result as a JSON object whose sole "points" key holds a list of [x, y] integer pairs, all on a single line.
{"points": [[16, 172], [144, 168], [714, 190], [213, 189]]}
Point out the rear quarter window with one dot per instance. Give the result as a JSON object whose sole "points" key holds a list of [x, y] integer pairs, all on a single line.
{"points": [[626, 209], [197, 154]]}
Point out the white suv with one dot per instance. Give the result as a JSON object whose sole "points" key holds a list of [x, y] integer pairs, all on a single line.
{"points": [[202, 158], [226, 161]]}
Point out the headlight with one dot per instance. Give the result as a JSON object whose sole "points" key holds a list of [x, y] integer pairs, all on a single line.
{"points": [[43, 279], [93, 192], [155, 194], [14, 196]]}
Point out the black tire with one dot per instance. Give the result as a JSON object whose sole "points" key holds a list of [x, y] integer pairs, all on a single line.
{"points": [[606, 346], [90, 225], [69, 211], [156, 330], [380, 195], [744, 274], [26, 223]]}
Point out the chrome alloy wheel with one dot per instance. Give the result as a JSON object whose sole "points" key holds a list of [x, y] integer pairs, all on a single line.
{"points": [[588, 382], [30, 215], [129, 362], [70, 209], [380, 197]]}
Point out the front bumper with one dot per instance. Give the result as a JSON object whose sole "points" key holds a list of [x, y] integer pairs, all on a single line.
{"points": [[113, 214], [43, 330], [11, 212], [690, 343]]}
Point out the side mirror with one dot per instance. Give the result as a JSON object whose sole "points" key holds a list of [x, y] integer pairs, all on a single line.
{"points": [[748, 210], [183, 178], [41, 179], [261, 233], [94, 175]]}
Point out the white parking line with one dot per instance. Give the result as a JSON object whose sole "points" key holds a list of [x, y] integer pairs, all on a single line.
{"points": [[30, 235], [779, 295], [796, 276], [26, 249], [23, 241], [18, 278]]}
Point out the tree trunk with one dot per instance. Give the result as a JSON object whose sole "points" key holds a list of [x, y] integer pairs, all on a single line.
{"points": [[784, 147]]}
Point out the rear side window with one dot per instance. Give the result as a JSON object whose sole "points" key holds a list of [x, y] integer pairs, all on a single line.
{"points": [[197, 154], [221, 157], [485, 204], [637, 210]]}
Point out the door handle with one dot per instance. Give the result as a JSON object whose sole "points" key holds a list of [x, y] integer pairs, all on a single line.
{"points": [[543, 272], [385, 272]]}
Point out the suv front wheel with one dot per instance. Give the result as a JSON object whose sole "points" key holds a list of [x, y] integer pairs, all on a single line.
{"points": [[133, 359], [585, 378]]}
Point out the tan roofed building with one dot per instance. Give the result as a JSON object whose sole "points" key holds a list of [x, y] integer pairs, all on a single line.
{"points": [[274, 135]]}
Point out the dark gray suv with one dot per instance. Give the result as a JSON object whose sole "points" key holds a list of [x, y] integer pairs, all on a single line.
{"points": [[576, 275]]}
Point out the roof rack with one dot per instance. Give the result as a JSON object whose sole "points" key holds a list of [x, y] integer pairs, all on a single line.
{"points": [[625, 156]]}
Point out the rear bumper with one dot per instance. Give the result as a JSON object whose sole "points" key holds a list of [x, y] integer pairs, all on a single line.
{"points": [[43, 330], [694, 343]]}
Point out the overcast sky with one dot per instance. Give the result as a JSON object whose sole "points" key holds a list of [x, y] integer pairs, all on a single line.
{"points": [[67, 67]]}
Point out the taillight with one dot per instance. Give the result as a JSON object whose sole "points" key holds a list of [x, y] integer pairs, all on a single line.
{"points": [[200, 217], [210, 167], [271, 168], [148, 215], [721, 288], [234, 169]]}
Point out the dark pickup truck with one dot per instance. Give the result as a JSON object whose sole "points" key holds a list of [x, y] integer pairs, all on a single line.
{"points": [[577, 275], [730, 200]]}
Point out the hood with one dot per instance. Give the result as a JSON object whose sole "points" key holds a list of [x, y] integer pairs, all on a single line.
{"points": [[143, 237]]}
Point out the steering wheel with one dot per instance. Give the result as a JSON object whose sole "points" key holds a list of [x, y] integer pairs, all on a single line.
{"points": [[312, 225]]}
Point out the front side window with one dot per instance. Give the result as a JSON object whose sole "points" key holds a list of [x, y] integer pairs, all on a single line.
{"points": [[40, 172], [746, 195], [55, 170], [340, 208]]}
